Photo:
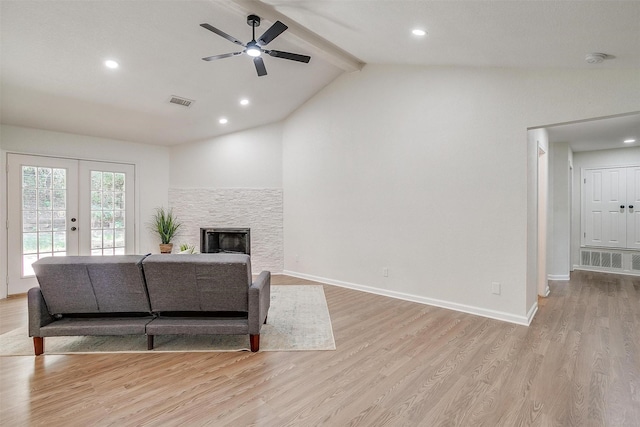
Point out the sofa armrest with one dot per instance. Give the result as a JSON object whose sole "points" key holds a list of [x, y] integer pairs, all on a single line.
{"points": [[38, 312], [259, 301]]}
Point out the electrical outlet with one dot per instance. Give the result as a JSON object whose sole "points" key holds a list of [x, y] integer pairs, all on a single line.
{"points": [[385, 272], [495, 288]]}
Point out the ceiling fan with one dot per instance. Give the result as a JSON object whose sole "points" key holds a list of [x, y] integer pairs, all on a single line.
{"points": [[254, 48]]}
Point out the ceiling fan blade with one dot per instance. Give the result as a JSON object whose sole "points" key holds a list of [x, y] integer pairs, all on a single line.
{"points": [[224, 55], [289, 55], [222, 34], [260, 68], [274, 31]]}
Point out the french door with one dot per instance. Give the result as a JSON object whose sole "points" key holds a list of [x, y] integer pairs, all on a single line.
{"points": [[59, 207]]}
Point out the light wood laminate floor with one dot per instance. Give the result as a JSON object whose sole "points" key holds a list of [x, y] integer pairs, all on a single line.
{"points": [[397, 363]]}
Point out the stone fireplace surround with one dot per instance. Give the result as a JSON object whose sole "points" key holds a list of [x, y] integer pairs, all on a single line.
{"points": [[259, 209]]}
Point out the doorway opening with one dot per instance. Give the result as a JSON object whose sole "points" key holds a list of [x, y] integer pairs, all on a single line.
{"points": [[572, 148]]}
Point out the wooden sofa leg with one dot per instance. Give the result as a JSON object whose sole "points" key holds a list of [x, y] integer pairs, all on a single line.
{"points": [[149, 342], [38, 345], [255, 342]]}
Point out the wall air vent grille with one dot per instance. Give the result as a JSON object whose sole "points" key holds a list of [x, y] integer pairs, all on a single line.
{"points": [[603, 260], [616, 260], [606, 260], [181, 101]]}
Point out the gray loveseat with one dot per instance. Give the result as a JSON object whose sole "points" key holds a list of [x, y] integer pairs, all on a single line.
{"points": [[195, 294]]}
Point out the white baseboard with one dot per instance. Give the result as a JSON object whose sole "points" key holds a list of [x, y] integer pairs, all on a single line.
{"points": [[532, 312], [558, 277], [492, 314]]}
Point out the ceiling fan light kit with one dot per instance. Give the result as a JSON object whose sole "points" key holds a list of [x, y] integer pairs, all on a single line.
{"points": [[255, 48]]}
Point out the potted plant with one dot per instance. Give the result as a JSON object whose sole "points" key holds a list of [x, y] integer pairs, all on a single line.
{"points": [[186, 248], [166, 225]]}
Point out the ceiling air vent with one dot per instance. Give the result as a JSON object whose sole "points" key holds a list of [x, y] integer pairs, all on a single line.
{"points": [[181, 101]]}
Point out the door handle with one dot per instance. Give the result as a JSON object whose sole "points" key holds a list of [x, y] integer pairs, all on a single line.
{"points": [[630, 206], [621, 206], [73, 228]]}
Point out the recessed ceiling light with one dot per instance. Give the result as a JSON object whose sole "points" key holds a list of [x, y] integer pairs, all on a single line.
{"points": [[223, 121], [419, 32], [110, 63], [244, 102], [629, 141]]}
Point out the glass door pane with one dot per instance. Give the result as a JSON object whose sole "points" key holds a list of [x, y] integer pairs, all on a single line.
{"points": [[107, 215], [44, 214], [108, 196]]}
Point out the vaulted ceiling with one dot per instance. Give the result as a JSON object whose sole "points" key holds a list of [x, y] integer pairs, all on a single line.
{"points": [[52, 55]]}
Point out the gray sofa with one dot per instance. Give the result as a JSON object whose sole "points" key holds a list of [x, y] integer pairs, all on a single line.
{"points": [[186, 294]]}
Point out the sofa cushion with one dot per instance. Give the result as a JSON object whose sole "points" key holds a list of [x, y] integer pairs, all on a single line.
{"points": [[198, 282], [93, 284], [69, 326], [197, 326]]}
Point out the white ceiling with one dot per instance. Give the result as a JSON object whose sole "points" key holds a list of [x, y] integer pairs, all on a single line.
{"points": [[52, 53]]}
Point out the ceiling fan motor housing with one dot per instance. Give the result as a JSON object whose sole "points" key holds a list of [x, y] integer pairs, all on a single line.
{"points": [[253, 20]]}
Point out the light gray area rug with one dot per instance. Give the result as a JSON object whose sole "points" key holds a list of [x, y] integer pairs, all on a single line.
{"points": [[298, 320]]}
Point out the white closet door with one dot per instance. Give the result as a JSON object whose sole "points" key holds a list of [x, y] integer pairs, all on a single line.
{"points": [[633, 213], [605, 222]]}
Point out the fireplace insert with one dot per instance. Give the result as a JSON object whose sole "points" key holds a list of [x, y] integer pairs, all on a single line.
{"points": [[225, 240]]}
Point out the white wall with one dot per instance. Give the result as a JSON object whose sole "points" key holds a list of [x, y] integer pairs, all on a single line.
{"points": [[151, 163], [233, 181], [531, 294], [594, 159], [424, 171], [559, 264], [538, 230], [3, 219], [248, 159]]}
